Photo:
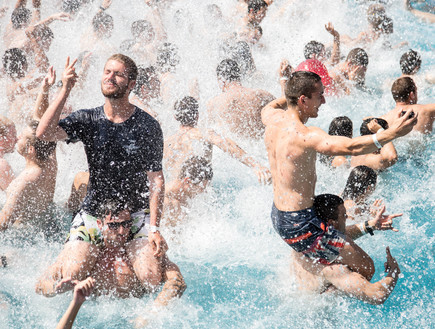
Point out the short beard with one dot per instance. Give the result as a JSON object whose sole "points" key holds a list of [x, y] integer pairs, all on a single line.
{"points": [[120, 93]]}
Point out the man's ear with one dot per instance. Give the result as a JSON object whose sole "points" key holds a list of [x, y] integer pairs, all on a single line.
{"points": [[99, 223], [131, 84]]}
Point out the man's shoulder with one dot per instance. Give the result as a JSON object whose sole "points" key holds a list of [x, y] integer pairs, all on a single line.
{"points": [[144, 118]]}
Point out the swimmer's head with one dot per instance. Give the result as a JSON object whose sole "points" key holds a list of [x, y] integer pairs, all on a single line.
{"points": [[228, 71], [341, 126], [357, 61], [71, 6], [31, 146], [256, 10], [365, 130], [301, 83], [241, 53], [15, 63], [147, 83], [112, 206], [44, 36], [103, 24], [410, 62], [360, 184], [143, 30], [167, 58], [130, 65], [376, 15], [330, 209], [197, 170], [8, 135], [20, 18], [314, 49], [187, 111], [404, 90]]}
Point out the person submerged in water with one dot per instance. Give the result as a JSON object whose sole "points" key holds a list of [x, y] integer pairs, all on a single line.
{"points": [[312, 275], [113, 272]]}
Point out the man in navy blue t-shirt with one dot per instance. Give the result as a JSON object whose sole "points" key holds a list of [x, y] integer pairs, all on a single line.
{"points": [[124, 147]]}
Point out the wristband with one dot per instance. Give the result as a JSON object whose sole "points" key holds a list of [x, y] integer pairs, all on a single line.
{"points": [[152, 228], [375, 140], [102, 8], [362, 228], [368, 228], [283, 79]]}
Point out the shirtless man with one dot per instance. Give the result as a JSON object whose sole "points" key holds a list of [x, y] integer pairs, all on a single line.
{"points": [[113, 273], [124, 147], [380, 159], [8, 139], [404, 93], [238, 108], [352, 71], [316, 277], [292, 149], [190, 141]]}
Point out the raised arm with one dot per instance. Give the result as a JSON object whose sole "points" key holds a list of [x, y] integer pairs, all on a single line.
{"points": [[355, 285], [42, 101], [335, 55], [229, 146], [48, 128], [156, 21]]}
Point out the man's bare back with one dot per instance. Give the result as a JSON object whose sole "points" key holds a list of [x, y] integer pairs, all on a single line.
{"points": [[426, 116]]}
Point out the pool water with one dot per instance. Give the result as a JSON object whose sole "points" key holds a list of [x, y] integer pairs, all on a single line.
{"points": [[235, 265]]}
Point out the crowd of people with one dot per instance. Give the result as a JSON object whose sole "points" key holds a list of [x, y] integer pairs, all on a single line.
{"points": [[138, 179]]}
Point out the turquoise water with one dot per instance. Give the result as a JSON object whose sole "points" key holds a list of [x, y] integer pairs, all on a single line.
{"points": [[235, 265]]}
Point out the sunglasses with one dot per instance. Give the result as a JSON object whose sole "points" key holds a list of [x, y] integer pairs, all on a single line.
{"points": [[116, 225]]}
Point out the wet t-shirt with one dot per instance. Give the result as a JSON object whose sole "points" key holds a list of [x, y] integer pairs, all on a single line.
{"points": [[119, 155]]}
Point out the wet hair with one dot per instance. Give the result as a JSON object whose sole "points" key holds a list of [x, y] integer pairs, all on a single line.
{"points": [[141, 26], [326, 206], [197, 169], [410, 62], [167, 57], [387, 26], [15, 62], [186, 111], [112, 206], [43, 149], [313, 48], [20, 18], [129, 64], [43, 32], [228, 70], [241, 53], [401, 89], [144, 77], [358, 56], [374, 11], [364, 129], [5, 125], [256, 5], [300, 83], [360, 178], [341, 126], [71, 6], [102, 19]]}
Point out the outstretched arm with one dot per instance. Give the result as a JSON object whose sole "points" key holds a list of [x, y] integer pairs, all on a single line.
{"points": [[335, 55], [44, 93], [428, 17], [355, 285], [82, 290], [229, 146], [156, 21], [48, 128]]}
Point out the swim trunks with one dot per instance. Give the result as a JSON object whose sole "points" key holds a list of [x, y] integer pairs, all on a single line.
{"points": [[306, 233], [84, 227]]}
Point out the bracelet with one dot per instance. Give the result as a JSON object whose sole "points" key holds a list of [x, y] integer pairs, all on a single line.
{"points": [[152, 228], [368, 228], [283, 79], [375, 140], [102, 8], [362, 228]]}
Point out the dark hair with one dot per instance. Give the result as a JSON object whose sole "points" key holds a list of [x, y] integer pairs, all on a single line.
{"points": [[364, 129], [410, 62], [20, 17], [241, 54], [112, 206], [197, 169], [102, 19], [141, 26], [387, 26], [186, 111], [129, 64], [144, 78], [44, 32], [228, 70], [326, 206], [401, 89], [360, 178], [71, 6], [15, 62], [341, 126], [256, 5], [43, 149], [358, 56], [313, 48], [300, 83], [167, 57]]}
